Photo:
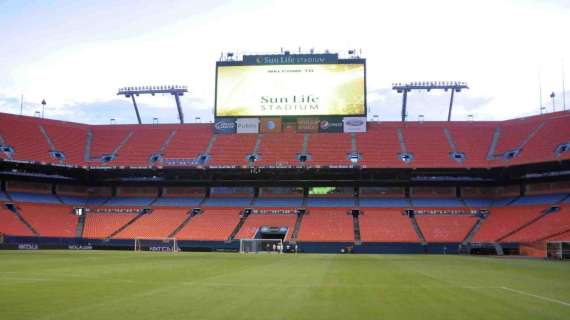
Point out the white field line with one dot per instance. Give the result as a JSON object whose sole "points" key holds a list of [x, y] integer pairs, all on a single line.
{"points": [[536, 296]]}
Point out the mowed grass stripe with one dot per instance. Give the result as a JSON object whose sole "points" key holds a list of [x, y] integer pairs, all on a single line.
{"points": [[128, 285]]}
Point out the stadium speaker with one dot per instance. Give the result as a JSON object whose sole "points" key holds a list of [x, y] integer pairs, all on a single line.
{"points": [[409, 212]]}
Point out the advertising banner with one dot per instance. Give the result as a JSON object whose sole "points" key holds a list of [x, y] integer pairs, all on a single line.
{"points": [[270, 125], [225, 125], [354, 124], [247, 125], [331, 124], [290, 90], [308, 125]]}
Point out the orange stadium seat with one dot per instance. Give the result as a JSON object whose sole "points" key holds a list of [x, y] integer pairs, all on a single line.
{"points": [[212, 224], [326, 225]]}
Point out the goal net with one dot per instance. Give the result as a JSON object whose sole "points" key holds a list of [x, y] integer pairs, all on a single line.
{"points": [[558, 250], [260, 245], [158, 245]]}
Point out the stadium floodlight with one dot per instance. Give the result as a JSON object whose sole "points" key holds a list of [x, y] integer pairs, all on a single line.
{"points": [[44, 107], [404, 88], [175, 90]]}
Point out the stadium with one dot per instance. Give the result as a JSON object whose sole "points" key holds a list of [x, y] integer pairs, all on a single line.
{"points": [[288, 182], [296, 201]]}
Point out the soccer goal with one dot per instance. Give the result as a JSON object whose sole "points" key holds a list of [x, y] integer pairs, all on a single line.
{"points": [[157, 245], [260, 245], [558, 250]]}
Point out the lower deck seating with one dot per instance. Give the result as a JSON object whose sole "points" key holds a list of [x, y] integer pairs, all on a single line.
{"points": [[255, 221], [212, 224], [50, 220], [386, 225], [11, 225], [157, 224], [102, 225], [553, 223], [504, 220], [445, 228], [327, 225]]}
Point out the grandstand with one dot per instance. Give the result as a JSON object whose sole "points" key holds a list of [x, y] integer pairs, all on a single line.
{"points": [[38, 199]]}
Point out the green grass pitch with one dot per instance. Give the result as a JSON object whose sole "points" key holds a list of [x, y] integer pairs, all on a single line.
{"points": [[127, 285]]}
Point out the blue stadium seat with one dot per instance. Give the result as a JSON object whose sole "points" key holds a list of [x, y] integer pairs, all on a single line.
{"points": [[502, 201], [227, 202], [278, 202], [73, 200], [129, 201], [34, 197], [539, 199], [384, 203], [330, 202], [437, 202], [478, 202], [96, 201], [177, 202]]}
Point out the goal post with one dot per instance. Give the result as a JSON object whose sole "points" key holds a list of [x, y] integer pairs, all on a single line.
{"points": [[559, 250], [156, 244], [260, 245]]}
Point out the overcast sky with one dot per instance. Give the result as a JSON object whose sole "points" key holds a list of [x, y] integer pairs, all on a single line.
{"points": [[76, 54]]}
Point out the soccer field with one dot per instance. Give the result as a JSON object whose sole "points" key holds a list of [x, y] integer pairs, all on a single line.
{"points": [[128, 285]]}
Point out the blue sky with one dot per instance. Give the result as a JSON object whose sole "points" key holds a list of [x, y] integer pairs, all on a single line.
{"points": [[76, 54]]}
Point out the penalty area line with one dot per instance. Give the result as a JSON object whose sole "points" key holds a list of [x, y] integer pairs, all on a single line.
{"points": [[536, 296]]}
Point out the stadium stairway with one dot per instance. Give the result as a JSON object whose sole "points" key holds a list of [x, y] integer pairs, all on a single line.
{"points": [[184, 222], [356, 226], [419, 232], [80, 226], [237, 228], [473, 231], [49, 141], [88, 143], [297, 227], [544, 213], [123, 227], [493, 145], [12, 208]]}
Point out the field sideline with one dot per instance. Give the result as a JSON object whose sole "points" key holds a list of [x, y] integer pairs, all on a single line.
{"points": [[128, 285]]}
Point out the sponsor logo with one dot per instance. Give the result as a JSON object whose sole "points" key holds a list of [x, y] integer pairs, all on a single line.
{"points": [[79, 247], [160, 249], [28, 246], [224, 125], [325, 125], [355, 122]]}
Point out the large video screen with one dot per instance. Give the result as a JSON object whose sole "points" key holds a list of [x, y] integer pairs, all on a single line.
{"points": [[290, 90]]}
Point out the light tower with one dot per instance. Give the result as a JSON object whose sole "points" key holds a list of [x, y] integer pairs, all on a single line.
{"points": [[404, 88], [176, 91]]}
